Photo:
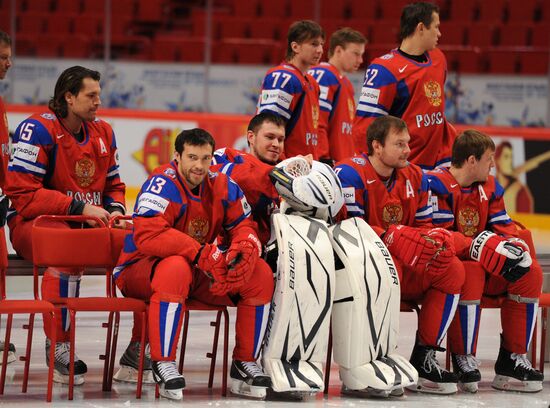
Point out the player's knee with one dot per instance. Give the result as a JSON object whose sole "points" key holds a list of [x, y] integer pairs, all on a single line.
{"points": [[474, 281], [259, 289], [172, 275], [450, 280], [530, 284]]}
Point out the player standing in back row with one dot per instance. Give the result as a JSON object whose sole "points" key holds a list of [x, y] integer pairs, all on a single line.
{"points": [[336, 98], [408, 82], [290, 92]]}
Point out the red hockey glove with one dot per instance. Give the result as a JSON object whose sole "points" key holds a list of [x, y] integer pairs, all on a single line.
{"points": [[446, 249], [500, 256], [242, 257], [211, 261], [417, 249]]}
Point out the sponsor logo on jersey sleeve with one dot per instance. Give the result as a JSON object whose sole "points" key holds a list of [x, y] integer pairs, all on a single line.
{"points": [[148, 201], [26, 151], [359, 160], [245, 205], [276, 96], [370, 95], [323, 92], [349, 194], [49, 116]]}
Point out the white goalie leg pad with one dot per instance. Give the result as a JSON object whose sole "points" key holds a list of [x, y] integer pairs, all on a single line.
{"points": [[365, 315], [296, 340]]}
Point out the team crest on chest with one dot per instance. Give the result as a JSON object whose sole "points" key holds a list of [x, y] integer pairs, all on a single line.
{"points": [[198, 229], [468, 219], [351, 108], [315, 115], [432, 89], [392, 214], [85, 170]]}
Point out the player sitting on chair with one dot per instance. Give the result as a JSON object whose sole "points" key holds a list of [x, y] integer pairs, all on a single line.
{"points": [[171, 254], [468, 200]]}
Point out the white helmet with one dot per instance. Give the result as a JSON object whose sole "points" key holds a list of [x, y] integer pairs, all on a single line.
{"points": [[308, 190]]}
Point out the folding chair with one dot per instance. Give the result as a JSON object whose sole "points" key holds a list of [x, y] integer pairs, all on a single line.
{"points": [[192, 304], [88, 248], [31, 307]]}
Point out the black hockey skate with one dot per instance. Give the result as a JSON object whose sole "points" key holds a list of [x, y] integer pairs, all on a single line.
{"points": [[432, 378]]}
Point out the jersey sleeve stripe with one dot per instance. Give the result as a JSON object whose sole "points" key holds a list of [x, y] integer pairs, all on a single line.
{"points": [[232, 225], [325, 105], [275, 109], [371, 109], [24, 167]]}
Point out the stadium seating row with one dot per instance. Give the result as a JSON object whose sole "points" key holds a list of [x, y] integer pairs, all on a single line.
{"points": [[75, 28]]}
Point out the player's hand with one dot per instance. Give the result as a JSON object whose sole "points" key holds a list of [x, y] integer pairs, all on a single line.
{"points": [[211, 260], [443, 240], [98, 212], [500, 256], [242, 257], [119, 223], [417, 249]]}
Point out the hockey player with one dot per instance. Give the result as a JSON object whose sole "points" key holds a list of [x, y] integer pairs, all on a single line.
{"points": [[171, 255], [64, 162], [468, 200], [408, 82], [392, 196], [336, 97], [265, 136], [290, 92], [5, 64]]}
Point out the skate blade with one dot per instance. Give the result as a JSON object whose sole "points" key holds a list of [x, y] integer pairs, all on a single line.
{"points": [[373, 393], [241, 388], [505, 383], [289, 395], [171, 394], [11, 357], [470, 387], [64, 379], [130, 375], [429, 387]]}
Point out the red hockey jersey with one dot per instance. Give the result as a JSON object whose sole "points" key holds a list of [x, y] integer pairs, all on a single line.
{"points": [[469, 210], [398, 86], [403, 199], [5, 145], [169, 219], [50, 167], [294, 96], [252, 176], [337, 104]]}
